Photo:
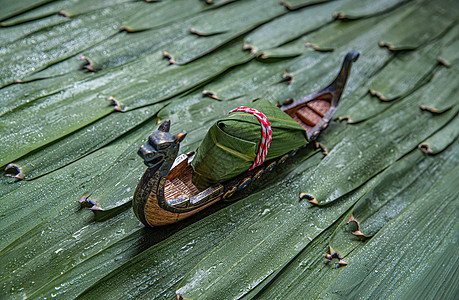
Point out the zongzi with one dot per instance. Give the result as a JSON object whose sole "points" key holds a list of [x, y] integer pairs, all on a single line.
{"points": [[231, 145]]}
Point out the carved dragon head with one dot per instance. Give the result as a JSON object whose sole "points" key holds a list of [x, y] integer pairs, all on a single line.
{"points": [[161, 145]]}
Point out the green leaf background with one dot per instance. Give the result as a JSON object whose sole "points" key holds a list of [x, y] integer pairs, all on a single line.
{"points": [[392, 167]]}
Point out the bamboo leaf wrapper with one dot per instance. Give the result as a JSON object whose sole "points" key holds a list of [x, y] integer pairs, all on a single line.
{"points": [[231, 144]]}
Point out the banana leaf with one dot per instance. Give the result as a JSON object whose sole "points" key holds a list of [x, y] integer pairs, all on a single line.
{"points": [[231, 144]]}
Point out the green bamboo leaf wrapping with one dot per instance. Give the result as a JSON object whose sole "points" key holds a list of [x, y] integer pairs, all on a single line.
{"points": [[69, 148], [340, 33], [366, 8], [363, 154], [442, 138], [15, 8], [292, 49], [392, 265], [51, 248], [290, 26], [72, 66], [158, 270], [296, 4], [449, 52], [427, 22], [311, 72], [232, 143], [61, 41], [183, 116], [241, 81], [311, 267], [365, 107], [178, 79], [86, 6], [37, 13], [88, 106], [437, 99], [246, 258], [238, 15], [126, 47], [443, 97], [14, 33], [382, 204], [162, 13], [216, 28], [404, 73], [108, 192]]}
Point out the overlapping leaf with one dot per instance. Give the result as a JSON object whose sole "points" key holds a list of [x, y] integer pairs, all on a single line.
{"points": [[394, 171]]}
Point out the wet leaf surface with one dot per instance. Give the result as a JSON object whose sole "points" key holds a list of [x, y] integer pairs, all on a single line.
{"points": [[392, 165]]}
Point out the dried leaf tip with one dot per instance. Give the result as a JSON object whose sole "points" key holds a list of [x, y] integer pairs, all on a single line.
{"points": [[65, 14], [443, 62], [351, 219], [246, 47], [388, 46], [195, 31], [378, 94], [287, 77], [347, 118], [334, 254], [313, 47], [341, 263], [126, 28], [318, 145], [86, 202], [89, 64], [358, 233], [286, 4], [169, 56], [14, 171], [339, 15], [429, 109], [116, 103], [263, 55], [209, 94], [424, 147], [309, 198]]}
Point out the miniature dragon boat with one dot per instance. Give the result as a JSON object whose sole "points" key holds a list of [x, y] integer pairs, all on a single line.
{"points": [[166, 193]]}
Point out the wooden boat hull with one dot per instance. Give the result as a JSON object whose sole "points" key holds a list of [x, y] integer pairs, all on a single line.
{"points": [[166, 194]]}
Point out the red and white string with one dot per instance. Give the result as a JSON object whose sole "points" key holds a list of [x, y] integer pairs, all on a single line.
{"points": [[266, 134]]}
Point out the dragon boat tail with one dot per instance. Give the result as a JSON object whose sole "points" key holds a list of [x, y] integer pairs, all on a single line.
{"points": [[166, 193]]}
